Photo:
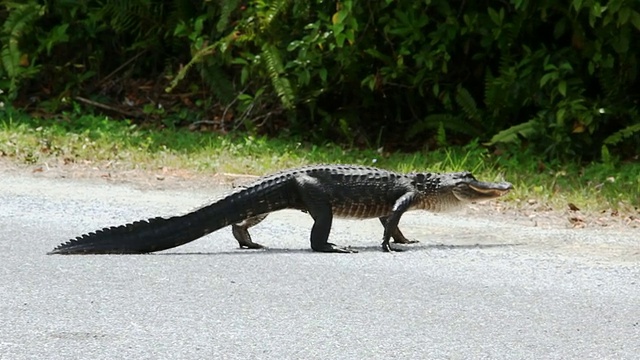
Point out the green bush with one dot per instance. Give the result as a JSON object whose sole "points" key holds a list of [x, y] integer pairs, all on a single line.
{"points": [[556, 77]]}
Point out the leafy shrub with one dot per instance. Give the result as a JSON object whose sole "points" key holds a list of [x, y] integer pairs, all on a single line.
{"points": [[559, 78]]}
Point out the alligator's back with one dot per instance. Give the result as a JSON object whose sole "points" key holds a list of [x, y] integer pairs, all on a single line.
{"points": [[359, 192]]}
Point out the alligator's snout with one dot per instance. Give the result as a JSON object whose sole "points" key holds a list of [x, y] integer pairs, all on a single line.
{"points": [[492, 189], [480, 191]]}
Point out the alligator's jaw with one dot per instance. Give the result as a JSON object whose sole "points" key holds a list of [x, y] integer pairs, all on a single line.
{"points": [[490, 190], [474, 190]]}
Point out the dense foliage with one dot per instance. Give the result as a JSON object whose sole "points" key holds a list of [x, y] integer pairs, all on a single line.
{"points": [[560, 77]]}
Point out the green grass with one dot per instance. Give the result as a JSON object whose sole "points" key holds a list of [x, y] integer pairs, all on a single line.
{"points": [[98, 140]]}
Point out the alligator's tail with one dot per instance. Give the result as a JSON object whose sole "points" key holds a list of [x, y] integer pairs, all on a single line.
{"points": [[164, 233]]}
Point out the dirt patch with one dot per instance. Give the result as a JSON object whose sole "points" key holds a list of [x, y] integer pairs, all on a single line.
{"points": [[139, 178], [532, 212]]}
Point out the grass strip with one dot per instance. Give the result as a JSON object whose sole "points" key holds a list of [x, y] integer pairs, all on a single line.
{"points": [[98, 139]]}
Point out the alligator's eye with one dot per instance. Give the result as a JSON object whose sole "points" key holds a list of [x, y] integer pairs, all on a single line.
{"points": [[463, 177], [467, 175]]}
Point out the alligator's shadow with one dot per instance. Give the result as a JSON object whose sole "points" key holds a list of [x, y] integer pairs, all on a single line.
{"points": [[372, 248]]}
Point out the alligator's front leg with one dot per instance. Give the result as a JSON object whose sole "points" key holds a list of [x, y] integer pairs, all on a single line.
{"points": [[396, 234], [402, 204], [316, 203], [241, 232]]}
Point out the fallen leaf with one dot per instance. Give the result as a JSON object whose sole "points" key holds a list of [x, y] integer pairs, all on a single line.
{"points": [[576, 219]]}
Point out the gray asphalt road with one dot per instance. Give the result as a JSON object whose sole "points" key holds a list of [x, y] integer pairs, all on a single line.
{"points": [[474, 288]]}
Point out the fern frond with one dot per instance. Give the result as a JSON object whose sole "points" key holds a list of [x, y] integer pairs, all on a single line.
{"points": [[20, 18], [275, 8], [122, 14], [493, 94], [218, 82], [511, 134], [430, 122], [441, 135], [620, 135], [506, 64], [267, 12], [227, 7], [512, 32], [440, 123], [132, 16], [196, 58], [275, 69], [496, 87], [609, 81], [468, 104]]}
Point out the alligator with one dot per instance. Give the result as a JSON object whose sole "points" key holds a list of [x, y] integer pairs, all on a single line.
{"points": [[323, 191]]}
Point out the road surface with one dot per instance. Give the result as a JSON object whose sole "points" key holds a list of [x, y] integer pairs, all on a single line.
{"points": [[474, 287]]}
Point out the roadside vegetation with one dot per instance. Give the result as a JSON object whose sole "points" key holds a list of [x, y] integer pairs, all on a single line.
{"points": [[542, 93], [97, 141]]}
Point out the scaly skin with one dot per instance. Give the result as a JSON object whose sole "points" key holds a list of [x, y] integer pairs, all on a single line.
{"points": [[323, 191]]}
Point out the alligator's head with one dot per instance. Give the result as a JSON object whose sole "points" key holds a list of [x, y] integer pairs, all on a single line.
{"points": [[466, 188], [449, 191]]}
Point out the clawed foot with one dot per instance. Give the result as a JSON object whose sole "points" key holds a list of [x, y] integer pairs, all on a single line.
{"points": [[387, 248], [333, 248], [251, 245], [405, 241]]}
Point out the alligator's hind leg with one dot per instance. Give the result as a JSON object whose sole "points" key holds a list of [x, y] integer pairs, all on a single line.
{"points": [[241, 232], [396, 234], [317, 204]]}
